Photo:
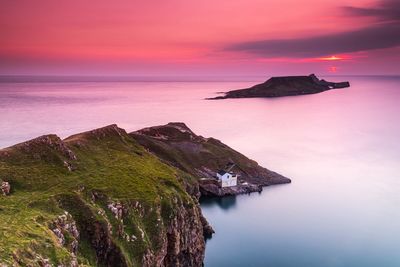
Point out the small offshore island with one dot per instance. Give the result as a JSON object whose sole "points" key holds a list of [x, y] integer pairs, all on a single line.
{"points": [[111, 198], [285, 86]]}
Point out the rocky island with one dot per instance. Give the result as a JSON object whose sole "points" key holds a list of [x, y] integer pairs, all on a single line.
{"points": [[109, 198], [285, 86]]}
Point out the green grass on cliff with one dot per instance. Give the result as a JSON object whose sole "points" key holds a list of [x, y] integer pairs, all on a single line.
{"points": [[176, 144], [109, 163]]}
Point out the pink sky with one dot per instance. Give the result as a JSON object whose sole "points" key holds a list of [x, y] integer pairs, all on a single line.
{"points": [[207, 37]]}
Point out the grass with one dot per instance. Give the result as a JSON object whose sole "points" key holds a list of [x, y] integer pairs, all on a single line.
{"points": [[109, 163], [211, 153]]}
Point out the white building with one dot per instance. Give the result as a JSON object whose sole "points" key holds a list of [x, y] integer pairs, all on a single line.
{"points": [[227, 178]]}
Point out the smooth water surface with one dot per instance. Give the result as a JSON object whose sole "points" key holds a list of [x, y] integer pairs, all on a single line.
{"points": [[340, 148]]}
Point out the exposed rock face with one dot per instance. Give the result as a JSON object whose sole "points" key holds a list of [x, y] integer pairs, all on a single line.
{"points": [[203, 157], [285, 86], [183, 243], [123, 205], [208, 231], [186, 244], [35, 146], [64, 226], [96, 232], [116, 209], [179, 243], [5, 188]]}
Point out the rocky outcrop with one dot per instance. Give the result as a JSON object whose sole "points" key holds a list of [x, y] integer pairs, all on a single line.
{"points": [[38, 147], [182, 244], [185, 239], [5, 188], [180, 238], [66, 231], [127, 199], [97, 233], [208, 231], [211, 188], [285, 86], [201, 157], [109, 131]]}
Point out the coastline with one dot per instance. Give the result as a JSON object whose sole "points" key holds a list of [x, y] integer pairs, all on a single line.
{"points": [[76, 185]]}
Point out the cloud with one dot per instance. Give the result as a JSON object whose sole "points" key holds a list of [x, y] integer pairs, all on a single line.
{"points": [[376, 37], [387, 10], [385, 34]]}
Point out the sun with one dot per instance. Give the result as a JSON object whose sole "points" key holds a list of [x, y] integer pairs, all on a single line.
{"points": [[331, 58]]}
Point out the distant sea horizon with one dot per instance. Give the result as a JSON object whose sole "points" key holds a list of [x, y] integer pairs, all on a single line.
{"points": [[162, 78]]}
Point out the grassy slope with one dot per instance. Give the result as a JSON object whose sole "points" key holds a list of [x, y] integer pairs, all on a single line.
{"points": [[110, 163], [199, 156]]}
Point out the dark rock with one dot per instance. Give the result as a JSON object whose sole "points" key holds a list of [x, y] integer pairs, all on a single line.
{"points": [[183, 243], [95, 231], [285, 86], [208, 231], [208, 188]]}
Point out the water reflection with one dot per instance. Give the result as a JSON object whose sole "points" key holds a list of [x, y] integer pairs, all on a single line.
{"points": [[340, 148], [225, 203]]}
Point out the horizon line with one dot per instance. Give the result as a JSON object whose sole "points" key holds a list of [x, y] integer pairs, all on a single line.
{"points": [[156, 78]]}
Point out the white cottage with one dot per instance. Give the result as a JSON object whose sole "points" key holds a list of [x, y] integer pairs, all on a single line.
{"points": [[227, 178]]}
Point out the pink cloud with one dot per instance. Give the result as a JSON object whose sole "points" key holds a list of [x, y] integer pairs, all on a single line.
{"points": [[133, 35]]}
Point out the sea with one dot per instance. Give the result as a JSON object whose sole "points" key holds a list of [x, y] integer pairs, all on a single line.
{"points": [[341, 148]]}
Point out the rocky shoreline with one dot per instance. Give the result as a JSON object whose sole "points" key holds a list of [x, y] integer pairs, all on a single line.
{"points": [[106, 197], [211, 188]]}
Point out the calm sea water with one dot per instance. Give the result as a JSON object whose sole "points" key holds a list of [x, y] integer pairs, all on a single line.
{"points": [[341, 148]]}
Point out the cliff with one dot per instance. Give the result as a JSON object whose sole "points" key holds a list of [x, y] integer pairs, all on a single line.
{"points": [[109, 198], [285, 86], [201, 157], [96, 199]]}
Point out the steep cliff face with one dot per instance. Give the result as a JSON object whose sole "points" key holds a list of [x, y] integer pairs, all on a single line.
{"points": [[98, 199], [182, 243], [108, 198]]}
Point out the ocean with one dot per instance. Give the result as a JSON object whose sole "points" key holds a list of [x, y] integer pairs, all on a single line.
{"points": [[340, 148]]}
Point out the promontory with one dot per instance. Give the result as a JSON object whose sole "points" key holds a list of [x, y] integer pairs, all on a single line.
{"points": [[111, 198]]}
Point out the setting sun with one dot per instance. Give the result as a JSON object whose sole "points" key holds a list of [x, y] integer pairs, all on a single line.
{"points": [[331, 58]]}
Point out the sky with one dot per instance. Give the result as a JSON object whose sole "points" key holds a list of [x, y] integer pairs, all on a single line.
{"points": [[192, 37]]}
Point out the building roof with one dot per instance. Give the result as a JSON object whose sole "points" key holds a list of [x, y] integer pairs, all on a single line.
{"points": [[221, 172], [230, 166]]}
